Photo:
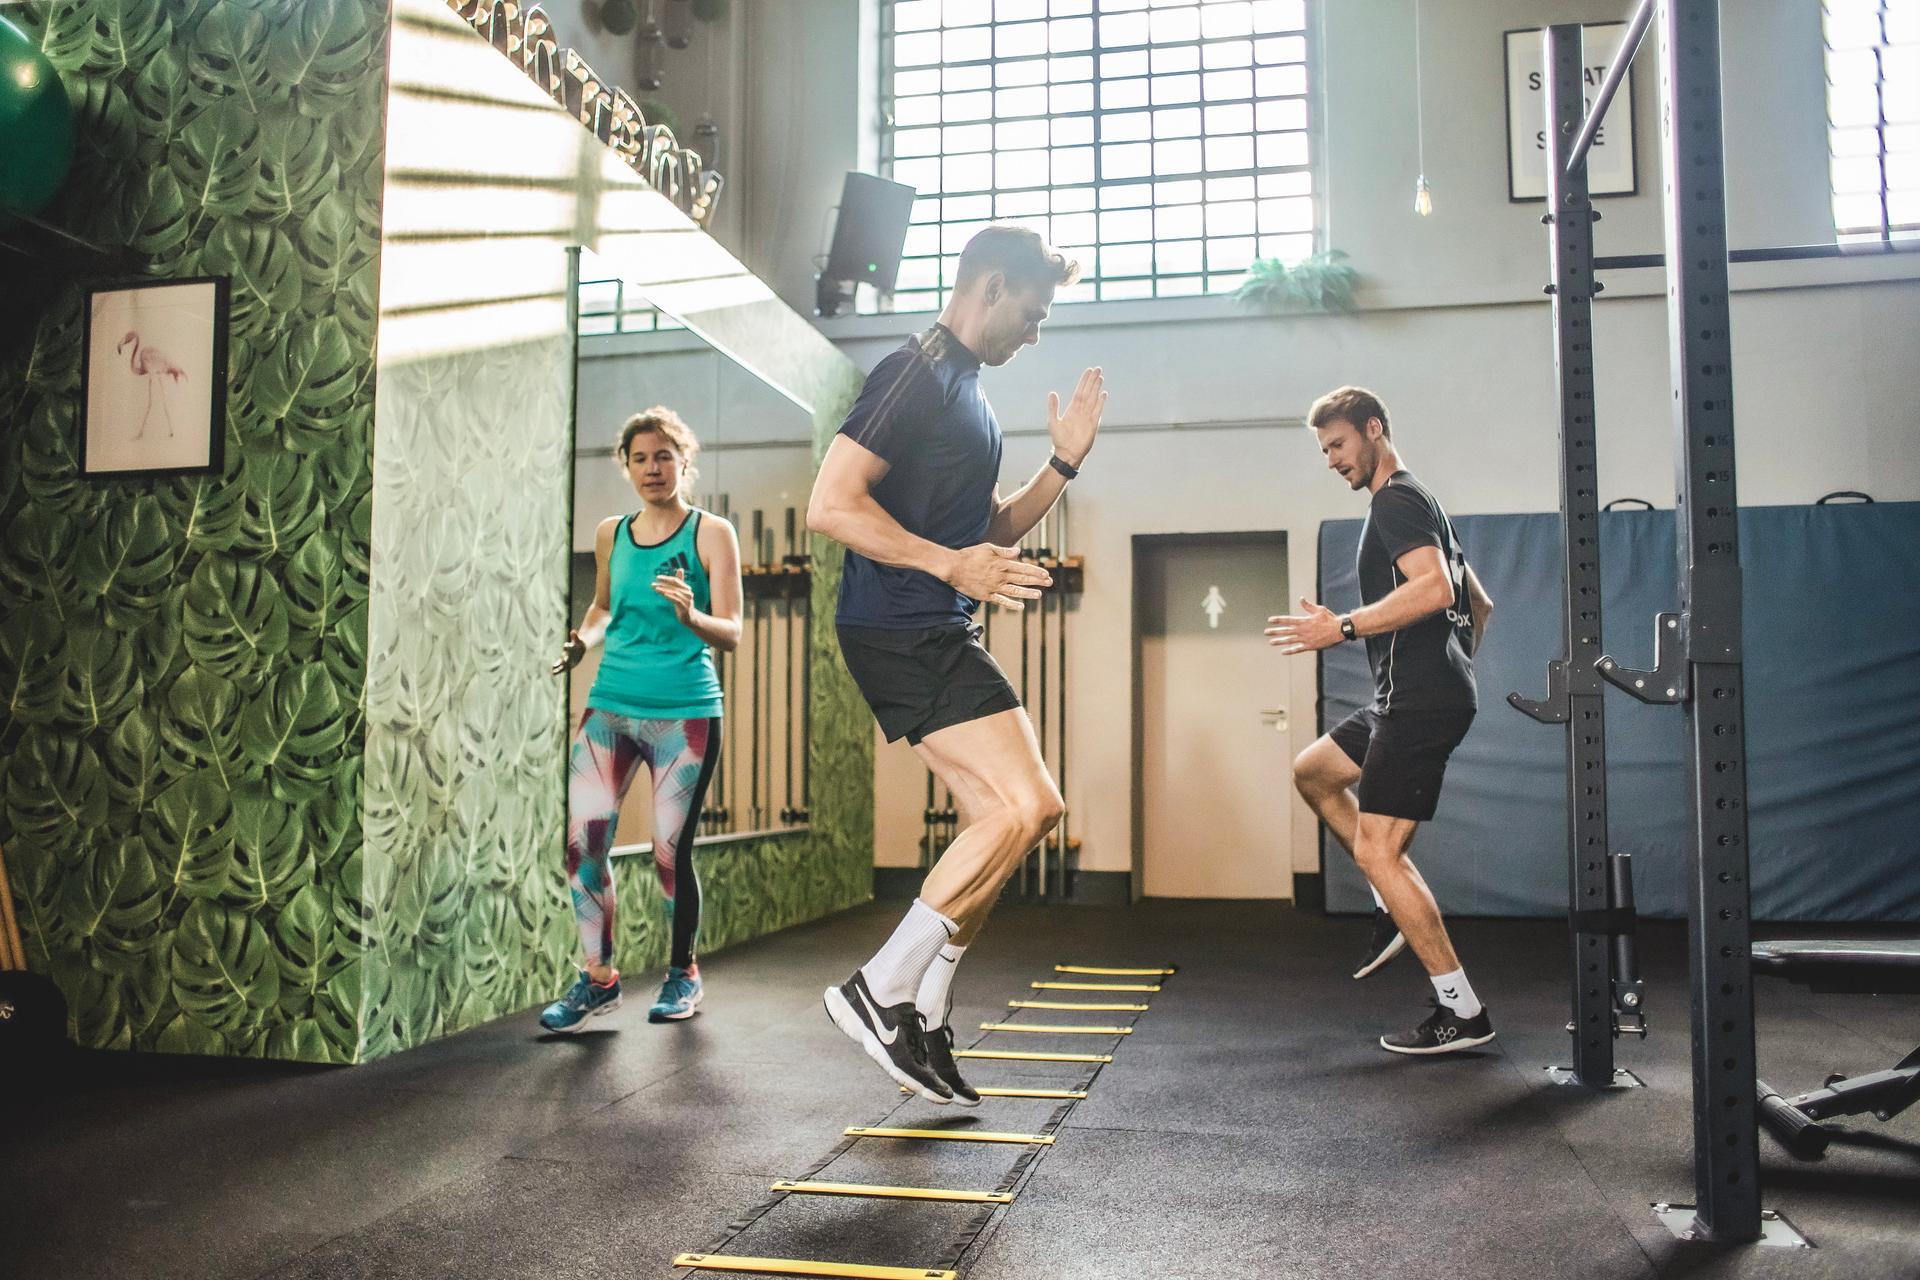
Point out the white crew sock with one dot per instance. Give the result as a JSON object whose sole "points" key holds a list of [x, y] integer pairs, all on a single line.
{"points": [[934, 998], [1379, 903], [893, 975], [1456, 993]]}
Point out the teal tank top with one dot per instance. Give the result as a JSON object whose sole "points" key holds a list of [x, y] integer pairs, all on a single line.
{"points": [[653, 667]]}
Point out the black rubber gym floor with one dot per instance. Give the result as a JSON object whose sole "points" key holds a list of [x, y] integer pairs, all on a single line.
{"points": [[1249, 1127]]}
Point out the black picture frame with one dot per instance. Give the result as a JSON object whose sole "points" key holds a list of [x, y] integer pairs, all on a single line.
{"points": [[192, 315], [1626, 94]]}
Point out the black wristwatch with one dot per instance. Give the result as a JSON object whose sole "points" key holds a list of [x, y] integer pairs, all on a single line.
{"points": [[1346, 627], [1060, 464]]}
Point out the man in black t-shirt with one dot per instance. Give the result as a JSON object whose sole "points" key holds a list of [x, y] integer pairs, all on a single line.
{"points": [[911, 486], [1422, 615]]}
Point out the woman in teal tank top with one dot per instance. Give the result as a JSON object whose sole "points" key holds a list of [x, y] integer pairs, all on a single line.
{"points": [[666, 595]]}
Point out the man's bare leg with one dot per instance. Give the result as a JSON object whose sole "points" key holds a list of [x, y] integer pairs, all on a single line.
{"points": [[1380, 851], [994, 769]]}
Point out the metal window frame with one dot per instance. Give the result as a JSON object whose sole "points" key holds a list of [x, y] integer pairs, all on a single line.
{"points": [[1162, 283]]}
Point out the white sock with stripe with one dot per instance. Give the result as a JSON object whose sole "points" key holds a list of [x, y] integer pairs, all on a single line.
{"points": [[893, 975], [934, 998], [1456, 993]]}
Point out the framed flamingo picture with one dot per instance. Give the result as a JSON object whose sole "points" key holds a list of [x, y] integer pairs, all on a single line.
{"points": [[154, 378]]}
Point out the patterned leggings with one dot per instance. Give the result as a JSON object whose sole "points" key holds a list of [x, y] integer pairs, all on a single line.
{"points": [[607, 748]]}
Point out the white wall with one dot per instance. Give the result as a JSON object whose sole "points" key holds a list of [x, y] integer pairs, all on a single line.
{"points": [[1455, 333]]}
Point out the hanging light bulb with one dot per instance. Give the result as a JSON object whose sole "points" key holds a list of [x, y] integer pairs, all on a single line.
{"points": [[1422, 194]]}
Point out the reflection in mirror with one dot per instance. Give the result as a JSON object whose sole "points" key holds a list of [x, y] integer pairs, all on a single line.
{"points": [[754, 469]]}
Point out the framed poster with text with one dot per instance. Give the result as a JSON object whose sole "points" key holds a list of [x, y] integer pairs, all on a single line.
{"points": [[1611, 170]]}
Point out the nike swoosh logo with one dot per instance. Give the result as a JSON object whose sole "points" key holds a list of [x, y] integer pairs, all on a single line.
{"points": [[885, 1034], [1451, 994], [938, 956]]}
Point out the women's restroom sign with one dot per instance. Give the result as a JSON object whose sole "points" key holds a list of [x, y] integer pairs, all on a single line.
{"points": [[1610, 161]]}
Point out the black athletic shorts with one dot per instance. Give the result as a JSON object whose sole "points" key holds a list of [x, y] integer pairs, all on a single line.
{"points": [[1402, 757], [921, 681]]}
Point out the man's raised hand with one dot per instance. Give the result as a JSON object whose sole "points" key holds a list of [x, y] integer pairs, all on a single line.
{"points": [[1072, 432], [997, 575]]}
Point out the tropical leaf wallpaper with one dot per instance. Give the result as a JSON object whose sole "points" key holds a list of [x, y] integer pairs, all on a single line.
{"points": [[183, 659], [281, 768]]}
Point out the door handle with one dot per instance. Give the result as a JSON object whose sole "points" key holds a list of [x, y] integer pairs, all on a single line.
{"points": [[1276, 716]]}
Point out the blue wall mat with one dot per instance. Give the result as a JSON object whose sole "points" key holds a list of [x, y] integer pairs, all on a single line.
{"points": [[1832, 615]]}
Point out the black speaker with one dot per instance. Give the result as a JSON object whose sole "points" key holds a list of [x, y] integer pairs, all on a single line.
{"points": [[866, 239]]}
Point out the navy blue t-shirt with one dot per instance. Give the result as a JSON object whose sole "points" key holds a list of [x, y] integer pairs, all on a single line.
{"points": [[923, 412]]}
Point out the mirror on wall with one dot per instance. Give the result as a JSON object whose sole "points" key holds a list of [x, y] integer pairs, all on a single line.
{"points": [[755, 469]]}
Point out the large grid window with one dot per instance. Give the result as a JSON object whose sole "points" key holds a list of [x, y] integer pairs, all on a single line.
{"points": [[1161, 143], [1873, 117]]}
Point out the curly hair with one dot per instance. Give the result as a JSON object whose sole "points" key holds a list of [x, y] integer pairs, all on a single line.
{"points": [[671, 427]]}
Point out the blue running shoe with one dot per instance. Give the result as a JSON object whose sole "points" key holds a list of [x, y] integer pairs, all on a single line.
{"points": [[680, 996], [584, 999]]}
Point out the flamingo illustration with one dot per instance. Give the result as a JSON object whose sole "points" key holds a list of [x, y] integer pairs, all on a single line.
{"points": [[150, 363]]}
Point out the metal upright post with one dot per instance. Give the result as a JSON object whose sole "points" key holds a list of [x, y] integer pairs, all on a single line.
{"points": [[1574, 689], [1699, 654]]}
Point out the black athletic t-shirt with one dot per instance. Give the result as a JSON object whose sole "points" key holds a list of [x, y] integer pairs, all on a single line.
{"points": [[922, 410], [1423, 667]]}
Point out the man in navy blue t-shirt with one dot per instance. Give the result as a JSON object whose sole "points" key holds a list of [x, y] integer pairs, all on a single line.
{"points": [[911, 486], [1375, 777]]}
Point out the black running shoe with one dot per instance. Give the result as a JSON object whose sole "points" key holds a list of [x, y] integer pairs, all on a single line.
{"points": [[1386, 943], [892, 1036], [939, 1042], [1444, 1031]]}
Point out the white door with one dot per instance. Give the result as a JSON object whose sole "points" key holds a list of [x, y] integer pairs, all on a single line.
{"points": [[1216, 791]]}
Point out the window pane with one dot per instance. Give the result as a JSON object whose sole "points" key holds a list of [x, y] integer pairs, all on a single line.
{"points": [[1122, 29], [1114, 66], [1069, 70], [1020, 168], [1120, 94], [1068, 98], [1234, 53], [916, 142], [1072, 164], [1073, 200], [1234, 119], [1176, 157], [1279, 15], [1218, 20], [1180, 223], [1018, 10], [1031, 71], [1281, 150], [1020, 204], [910, 111], [1179, 257], [1126, 224], [967, 106], [1018, 41], [916, 15], [1128, 160], [958, 207], [1072, 131], [1230, 219], [1021, 135], [1234, 254], [1280, 82], [1176, 89], [1074, 228], [1168, 61], [966, 13], [968, 44], [1178, 122], [920, 50], [1229, 153], [966, 173], [968, 137], [1070, 35], [1176, 24], [1021, 102], [910, 82], [1229, 84], [1133, 126], [1229, 189]]}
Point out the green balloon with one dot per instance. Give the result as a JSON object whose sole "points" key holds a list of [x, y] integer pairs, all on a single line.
{"points": [[36, 125]]}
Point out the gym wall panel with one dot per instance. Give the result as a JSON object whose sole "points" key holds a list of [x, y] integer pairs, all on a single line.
{"points": [[1832, 622]]}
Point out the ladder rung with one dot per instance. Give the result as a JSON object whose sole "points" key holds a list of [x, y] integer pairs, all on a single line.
{"points": [[807, 1267], [1094, 986], [1087, 1007], [1022, 1093], [1051, 1029], [952, 1135], [893, 1193], [1115, 973], [1010, 1056]]}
